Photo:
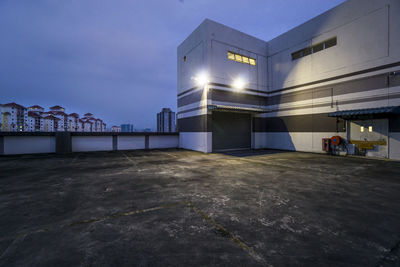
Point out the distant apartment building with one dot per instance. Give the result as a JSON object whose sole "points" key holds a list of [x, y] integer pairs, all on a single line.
{"points": [[116, 129], [73, 121], [49, 123], [166, 121], [15, 117], [127, 128]]}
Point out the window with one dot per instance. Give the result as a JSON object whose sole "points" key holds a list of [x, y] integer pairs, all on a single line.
{"points": [[362, 129], [241, 58], [238, 58], [314, 48], [231, 56], [318, 47], [184, 59], [370, 129], [331, 42]]}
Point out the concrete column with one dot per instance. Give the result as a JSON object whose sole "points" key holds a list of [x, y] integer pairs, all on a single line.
{"points": [[115, 142], [1, 145], [146, 142], [63, 142]]}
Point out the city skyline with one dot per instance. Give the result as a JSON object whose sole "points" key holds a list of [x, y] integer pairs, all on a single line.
{"points": [[94, 55]]}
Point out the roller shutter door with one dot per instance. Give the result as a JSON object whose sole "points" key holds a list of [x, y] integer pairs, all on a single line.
{"points": [[231, 131]]}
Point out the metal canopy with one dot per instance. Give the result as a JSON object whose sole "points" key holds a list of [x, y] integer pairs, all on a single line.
{"points": [[367, 113], [236, 109]]}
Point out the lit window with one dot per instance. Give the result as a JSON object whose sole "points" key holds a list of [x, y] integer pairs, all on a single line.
{"points": [[238, 57], [370, 129], [362, 129], [241, 58]]}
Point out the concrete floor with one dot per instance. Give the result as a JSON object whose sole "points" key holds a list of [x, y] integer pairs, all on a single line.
{"points": [[176, 207]]}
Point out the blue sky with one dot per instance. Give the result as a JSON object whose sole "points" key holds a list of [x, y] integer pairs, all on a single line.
{"points": [[117, 59]]}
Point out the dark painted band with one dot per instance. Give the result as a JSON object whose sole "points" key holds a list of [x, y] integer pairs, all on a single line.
{"points": [[354, 86], [201, 123], [299, 123], [340, 77], [223, 85], [395, 64], [343, 102], [187, 91]]}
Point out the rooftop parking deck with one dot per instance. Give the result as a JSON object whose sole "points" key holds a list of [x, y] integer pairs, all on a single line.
{"points": [[177, 207]]}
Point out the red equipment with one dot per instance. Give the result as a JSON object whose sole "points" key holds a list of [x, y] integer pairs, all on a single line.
{"points": [[336, 140]]}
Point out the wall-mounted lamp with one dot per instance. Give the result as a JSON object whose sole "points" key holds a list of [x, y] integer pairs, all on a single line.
{"points": [[239, 84], [201, 79]]}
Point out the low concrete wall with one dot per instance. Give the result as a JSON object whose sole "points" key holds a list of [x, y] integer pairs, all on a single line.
{"points": [[163, 141], [131, 142], [91, 143], [12, 143], [28, 144]]}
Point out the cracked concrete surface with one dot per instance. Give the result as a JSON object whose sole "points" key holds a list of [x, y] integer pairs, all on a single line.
{"points": [[179, 208]]}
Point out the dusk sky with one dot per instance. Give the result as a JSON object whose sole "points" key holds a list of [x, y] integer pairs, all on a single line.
{"points": [[117, 59]]}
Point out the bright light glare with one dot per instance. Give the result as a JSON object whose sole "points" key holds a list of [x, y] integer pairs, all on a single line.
{"points": [[201, 79], [239, 84]]}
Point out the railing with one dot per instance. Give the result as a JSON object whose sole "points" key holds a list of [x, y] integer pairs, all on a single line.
{"points": [[12, 143]]}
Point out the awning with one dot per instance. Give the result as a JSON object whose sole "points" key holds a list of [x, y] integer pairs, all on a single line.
{"points": [[236, 109], [367, 113]]}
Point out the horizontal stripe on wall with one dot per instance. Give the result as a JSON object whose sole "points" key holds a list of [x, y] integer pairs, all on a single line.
{"points": [[240, 98], [299, 123], [225, 96], [382, 67], [347, 75], [348, 87], [355, 86], [342, 102], [315, 106], [194, 97], [201, 123]]}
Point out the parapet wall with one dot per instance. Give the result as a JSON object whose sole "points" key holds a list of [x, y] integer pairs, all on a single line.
{"points": [[14, 143]]}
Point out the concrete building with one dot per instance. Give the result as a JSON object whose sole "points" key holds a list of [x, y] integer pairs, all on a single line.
{"points": [[73, 121], [166, 121], [127, 128], [50, 123], [35, 122], [5, 121], [16, 117], [338, 74], [116, 129]]}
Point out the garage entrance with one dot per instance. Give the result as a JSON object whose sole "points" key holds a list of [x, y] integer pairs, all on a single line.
{"points": [[230, 131]]}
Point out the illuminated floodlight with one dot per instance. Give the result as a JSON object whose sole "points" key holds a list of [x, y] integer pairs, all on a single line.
{"points": [[201, 79], [239, 84]]}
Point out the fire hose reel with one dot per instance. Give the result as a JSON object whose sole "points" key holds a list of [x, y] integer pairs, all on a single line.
{"points": [[336, 140]]}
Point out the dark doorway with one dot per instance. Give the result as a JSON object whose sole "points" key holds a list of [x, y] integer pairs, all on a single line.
{"points": [[231, 131]]}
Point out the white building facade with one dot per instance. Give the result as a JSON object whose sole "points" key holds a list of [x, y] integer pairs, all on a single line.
{"points": [[15, 117], [335, 75]]}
